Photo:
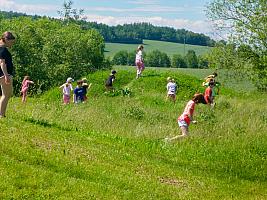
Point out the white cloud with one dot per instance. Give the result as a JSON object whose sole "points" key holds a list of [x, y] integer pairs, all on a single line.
{"points": [[8, 5], [151, 9], [144, 2]]}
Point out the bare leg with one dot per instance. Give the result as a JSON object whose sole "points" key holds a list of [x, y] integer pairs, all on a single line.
{"points": [[24, 97], [185, 133], [7, 91]]}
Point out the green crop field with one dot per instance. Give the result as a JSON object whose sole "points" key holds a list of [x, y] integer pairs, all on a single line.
{"points": [[112, 146], [168, 47]]}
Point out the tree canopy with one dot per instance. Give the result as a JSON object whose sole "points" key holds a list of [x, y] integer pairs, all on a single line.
{"points": [[246, 23]]}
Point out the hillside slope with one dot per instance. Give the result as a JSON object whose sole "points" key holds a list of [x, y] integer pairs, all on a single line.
{"points": [[111, 147]]}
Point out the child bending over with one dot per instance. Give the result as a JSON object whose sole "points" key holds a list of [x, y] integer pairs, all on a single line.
{"points": [[186, 118], [25, 87]]}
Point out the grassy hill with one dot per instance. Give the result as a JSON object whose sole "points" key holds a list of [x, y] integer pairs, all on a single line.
{"points": [[112, 146], [168, 47]]}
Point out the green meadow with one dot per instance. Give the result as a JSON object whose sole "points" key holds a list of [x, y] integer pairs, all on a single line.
{"points": [[112, 146], [168, 47]]}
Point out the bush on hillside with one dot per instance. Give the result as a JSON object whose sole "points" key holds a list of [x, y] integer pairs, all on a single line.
{"points": [[203, 61], [124, 58], [157, 59], [178, 61], [49, 51], [191, 59], [120, 58]]}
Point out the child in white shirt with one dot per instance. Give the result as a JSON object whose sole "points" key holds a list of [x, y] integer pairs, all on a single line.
{"points": [[171, 89], [67, 88]]}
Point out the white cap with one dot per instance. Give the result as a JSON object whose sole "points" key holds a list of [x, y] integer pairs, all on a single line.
{"points": [[70, 79]]}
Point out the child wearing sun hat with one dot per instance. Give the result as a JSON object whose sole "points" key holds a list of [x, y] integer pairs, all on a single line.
{"points": [[66, 90]]}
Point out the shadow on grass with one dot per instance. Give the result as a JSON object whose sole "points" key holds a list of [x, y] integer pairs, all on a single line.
{"points": [[44, 123]]}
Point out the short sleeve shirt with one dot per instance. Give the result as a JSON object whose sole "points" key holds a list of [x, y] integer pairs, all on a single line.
{"points": [[110, 80], [5, 54], [171, 87], [188, 112], [79, 93], [208, 93], [138, 56]]}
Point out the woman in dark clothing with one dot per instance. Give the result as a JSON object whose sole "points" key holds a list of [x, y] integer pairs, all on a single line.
{"points": [[6, 70]]}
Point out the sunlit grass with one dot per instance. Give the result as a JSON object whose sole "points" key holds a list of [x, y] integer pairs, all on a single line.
{"points": [[112, 147]]}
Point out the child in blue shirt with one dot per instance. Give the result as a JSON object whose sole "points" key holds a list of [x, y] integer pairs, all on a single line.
{"points": [[79, 92]]}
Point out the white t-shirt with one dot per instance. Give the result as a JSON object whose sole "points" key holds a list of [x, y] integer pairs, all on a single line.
{"points": [[171, 88], [138, 56], [67, 89]]}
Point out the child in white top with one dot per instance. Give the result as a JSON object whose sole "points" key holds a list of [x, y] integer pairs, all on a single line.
{"points": [[139, 61], [171, 89], [67, 88]]}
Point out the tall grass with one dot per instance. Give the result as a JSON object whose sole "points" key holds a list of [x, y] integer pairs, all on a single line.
{"points": [[112, 146]]}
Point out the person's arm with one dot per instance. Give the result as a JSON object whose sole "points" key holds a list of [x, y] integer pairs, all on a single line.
{"points": [[89, 86], [62, 86], [210, 96], [192, 119], [74, 96], [4, 69]]}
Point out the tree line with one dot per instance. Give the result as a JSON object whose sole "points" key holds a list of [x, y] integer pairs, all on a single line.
{"points": [[157, 58], [246, 50], [129, 33], [136, 32]]}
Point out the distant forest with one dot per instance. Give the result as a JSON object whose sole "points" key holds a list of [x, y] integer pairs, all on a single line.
{"points": [[136, 32]]}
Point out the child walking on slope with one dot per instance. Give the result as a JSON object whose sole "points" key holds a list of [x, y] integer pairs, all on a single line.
{"points": [[186, 118], [86, 87], [110, 80], [66, 89], [25, 87], [171, 89], [79, 93], [139, 61], [209, 98]]}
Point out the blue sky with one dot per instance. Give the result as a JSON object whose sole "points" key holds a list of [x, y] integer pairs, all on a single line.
{"points": [[188, 14]]}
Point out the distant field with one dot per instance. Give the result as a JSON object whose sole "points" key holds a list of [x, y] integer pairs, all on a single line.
{"points": [[168, 47]]}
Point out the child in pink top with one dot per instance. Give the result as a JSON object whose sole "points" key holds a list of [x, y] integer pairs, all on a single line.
{"points": [[25, 87], [187, 116]]}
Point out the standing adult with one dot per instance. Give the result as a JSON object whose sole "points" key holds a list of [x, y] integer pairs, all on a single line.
{"points": [[6, 70]]}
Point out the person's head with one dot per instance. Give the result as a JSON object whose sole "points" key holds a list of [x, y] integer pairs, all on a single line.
{"points": [[113, 72], [8, 38], [140, 47], [199, 98], [26, 78], [69, 80], [211, 83], [84, 80], [169, 79], [215, 74], [79, 83]]}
